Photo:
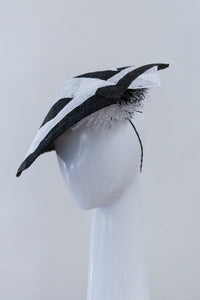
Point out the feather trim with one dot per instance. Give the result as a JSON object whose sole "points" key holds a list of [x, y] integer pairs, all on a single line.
{"points": [[124, 109]]}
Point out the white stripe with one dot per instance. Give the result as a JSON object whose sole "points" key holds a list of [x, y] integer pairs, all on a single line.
{"points": [[71, 86], [85, 92]]}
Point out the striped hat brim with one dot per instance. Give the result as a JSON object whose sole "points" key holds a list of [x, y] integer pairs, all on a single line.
{"points": [[82, 96]]}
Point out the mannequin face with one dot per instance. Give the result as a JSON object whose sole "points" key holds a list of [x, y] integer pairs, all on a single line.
{"points": [[98, 165]]}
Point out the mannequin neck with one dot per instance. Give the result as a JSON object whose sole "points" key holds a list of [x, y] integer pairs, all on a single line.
{"points": [[116, 267]]}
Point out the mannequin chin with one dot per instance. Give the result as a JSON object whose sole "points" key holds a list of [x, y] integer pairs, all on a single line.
{"points": [[99, 164]]}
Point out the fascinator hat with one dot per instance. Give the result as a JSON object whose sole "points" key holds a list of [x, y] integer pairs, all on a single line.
{"points": [[94, 99]]}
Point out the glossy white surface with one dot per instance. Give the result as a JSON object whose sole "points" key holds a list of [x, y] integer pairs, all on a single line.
{"points": [[101, 170], [99, 164]]}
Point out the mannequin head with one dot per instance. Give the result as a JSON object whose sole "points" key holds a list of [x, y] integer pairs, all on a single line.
{"points": [[99, 164]]}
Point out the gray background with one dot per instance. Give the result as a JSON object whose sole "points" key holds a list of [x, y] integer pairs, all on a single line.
{"points": [[44, 236]]}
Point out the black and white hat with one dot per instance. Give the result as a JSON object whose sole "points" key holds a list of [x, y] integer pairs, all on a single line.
{"points": [[117, 93]]}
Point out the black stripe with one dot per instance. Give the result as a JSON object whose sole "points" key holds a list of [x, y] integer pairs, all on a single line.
{"points": [[104, 75], [55, 109], [122, 68]]}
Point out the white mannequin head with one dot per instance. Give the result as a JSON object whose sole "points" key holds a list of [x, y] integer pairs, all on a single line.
{"points": [[99, 164]]}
